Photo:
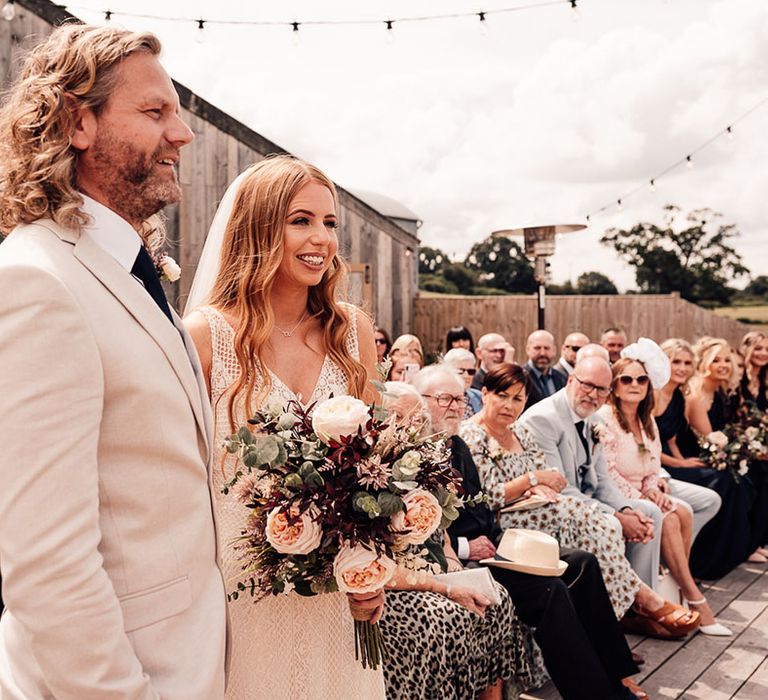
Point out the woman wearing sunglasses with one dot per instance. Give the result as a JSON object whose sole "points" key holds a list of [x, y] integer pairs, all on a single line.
{"points": [[632, 450], [465, 364]]}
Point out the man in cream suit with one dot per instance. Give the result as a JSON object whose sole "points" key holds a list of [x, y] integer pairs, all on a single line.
{"points": [[108, 547], [565, 430]]}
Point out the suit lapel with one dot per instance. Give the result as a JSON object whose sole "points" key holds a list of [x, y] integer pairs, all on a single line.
{"points": [[570, 433], [145, 311]]}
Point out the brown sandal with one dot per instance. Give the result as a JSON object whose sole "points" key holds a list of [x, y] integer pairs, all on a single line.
{"points": [[668, 622], [633, 687]]}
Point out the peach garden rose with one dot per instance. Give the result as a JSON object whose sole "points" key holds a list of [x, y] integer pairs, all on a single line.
{"points": [[361, 570], [420, 519], [302, 537]]}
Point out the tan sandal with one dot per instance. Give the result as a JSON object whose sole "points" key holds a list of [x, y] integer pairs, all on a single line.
{"points": [[676, 620]]}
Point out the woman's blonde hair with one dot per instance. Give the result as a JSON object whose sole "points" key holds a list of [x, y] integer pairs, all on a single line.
{"points": [[748, 344], [644, 408], [402, 342], [706, 349], [251, 254], [77, 64], [671, 347]]}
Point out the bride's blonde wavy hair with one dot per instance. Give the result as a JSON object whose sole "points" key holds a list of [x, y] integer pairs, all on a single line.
{"points": [[38, 167], [251, 253]]}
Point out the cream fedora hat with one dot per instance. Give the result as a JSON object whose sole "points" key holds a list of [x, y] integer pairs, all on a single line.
{"points": [[530, 552]]}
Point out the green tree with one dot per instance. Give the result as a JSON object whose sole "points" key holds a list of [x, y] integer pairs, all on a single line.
{"points": [[501, 263], [459, 275], [595, 283], [694, 257], [758, 287], [431, 260]]}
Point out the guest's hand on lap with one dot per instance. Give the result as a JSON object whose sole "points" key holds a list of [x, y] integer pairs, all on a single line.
{"points": [[469, 599], [663, 486], [635, 526], [660, 499], [369, 601], [692, 462], [551, 478], [546, 491], [480, 548]]}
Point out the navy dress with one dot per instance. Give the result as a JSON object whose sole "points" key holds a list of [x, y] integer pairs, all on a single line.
{"points": [[725, 541], [758, 469]]}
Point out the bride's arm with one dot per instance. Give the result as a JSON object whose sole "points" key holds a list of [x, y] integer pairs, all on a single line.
{"points": [[200, 332], [365, 338]]}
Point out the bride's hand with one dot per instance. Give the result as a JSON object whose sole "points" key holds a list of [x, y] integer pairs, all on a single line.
{"points": [[369, 601]]}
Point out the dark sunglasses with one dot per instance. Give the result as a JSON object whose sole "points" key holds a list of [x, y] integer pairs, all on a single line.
{"points": [[381, 341], [626, 380], [470, 372], [575, 348]]}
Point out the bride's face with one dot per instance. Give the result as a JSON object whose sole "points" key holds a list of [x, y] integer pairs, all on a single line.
{"points": [[310, 242]]}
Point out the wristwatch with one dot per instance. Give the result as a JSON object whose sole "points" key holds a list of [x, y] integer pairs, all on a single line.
{"points": [[532, 480]]}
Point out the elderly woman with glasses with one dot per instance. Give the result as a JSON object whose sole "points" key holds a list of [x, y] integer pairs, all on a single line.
{"points": [[526, 492], [632, 449], [465, 365]]}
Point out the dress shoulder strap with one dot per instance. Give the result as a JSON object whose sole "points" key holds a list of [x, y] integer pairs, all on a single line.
{"points": [[224, 365], [353, 345]]}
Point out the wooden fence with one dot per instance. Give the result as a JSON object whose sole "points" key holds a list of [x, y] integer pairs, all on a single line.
{"points": [[654, 316]]}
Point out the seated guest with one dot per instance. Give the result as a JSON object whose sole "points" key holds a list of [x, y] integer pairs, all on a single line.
{"points": [[459, 337], [708, 409], [492, 349], [632, 450], [446, 640], [540, 349], [511, 465], [614, 340], [408, 346], [463, 362], [564, 429], [383, 343], [403, 367], [723, 542], [584, 650], [592, 350], [571, 345]]}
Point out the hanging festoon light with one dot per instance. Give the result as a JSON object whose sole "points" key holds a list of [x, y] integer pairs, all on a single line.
{"points": [[390, 25], [619, 205], [295, 36], [483, 23], [652, 185], [729, 133], [107, 16], [575, 11], [689, 162], [200, 33], [9, 10]]}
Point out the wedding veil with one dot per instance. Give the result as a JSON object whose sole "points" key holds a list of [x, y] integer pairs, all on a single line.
{"points": [[208, 265]]}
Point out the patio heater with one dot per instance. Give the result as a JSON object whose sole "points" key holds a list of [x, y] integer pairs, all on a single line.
{"points": [[539, 245]]}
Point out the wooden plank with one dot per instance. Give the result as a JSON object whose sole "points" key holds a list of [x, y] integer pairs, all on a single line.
{"points": [[756, 687]]}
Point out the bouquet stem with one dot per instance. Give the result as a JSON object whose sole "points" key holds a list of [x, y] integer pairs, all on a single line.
{"points": [[370, 648]]}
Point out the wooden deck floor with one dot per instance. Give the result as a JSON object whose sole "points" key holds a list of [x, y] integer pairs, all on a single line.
{"points": [[710, 668]]}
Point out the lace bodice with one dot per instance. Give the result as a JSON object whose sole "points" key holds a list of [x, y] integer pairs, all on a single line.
{"points": [[284, 646]]}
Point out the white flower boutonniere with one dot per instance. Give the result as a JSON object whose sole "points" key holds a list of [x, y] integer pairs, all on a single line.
{"points": [[169, 269], [596, 432]]}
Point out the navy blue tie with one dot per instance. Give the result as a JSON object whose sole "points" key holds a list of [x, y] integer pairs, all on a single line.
{"points": [[145, 270]]}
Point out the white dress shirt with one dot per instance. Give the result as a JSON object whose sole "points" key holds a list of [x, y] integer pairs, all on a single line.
{"points": [[111, 232]]}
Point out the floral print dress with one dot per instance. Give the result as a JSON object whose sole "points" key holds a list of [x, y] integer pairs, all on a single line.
{"points": [[571, 521]]}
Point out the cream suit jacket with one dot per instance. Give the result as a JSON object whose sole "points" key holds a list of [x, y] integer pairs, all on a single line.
{"points": [[107, 536]]}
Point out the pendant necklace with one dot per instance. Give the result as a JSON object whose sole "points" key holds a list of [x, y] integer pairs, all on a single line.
{"points": [[288, 334]]}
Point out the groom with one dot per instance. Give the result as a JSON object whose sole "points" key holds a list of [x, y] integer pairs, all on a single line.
{"points": [[108, 546]]}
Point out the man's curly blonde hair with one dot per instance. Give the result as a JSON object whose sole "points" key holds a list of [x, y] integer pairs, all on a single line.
{"points": [[38, 166]]}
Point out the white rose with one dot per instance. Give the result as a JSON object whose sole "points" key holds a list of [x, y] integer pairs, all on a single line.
{"points": [[718, 438], [302, 537], [361, 570], [420, 519], [338, 417], [170, 268]]}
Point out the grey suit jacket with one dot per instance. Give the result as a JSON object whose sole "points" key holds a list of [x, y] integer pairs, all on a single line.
{"points": [[108, 551], [551, 424]]}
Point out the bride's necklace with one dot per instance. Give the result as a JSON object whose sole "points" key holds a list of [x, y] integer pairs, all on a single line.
{"points": [[288, 334]]}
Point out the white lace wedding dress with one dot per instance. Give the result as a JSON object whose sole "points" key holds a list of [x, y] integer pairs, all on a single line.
{"points": [[285, 647]]}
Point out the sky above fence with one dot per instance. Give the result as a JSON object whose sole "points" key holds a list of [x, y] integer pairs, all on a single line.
{"points": [[542, 118]]}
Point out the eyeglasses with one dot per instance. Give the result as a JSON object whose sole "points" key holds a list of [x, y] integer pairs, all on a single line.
{"points": [[470, 372], [588, 387], [627, 380], [446, 400], [381, 341]]}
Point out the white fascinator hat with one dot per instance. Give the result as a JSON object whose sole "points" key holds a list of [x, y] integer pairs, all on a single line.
{"points": [[654, 359]]}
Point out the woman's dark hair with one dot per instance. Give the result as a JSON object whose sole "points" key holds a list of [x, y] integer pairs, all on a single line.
{"points": [[505, 375], [459, 333], [387, 339]]}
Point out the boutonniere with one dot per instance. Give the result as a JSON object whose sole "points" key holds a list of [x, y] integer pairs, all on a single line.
{"points": [[596, 432], [168, 269]]}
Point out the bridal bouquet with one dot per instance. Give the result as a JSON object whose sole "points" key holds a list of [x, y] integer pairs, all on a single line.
{"points": [[738, 444], [337, 500]]}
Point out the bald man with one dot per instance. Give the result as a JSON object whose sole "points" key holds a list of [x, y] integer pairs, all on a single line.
{"points": [[614, 340], [571, 345], [593, 350], [492, 349], [541, 349]]}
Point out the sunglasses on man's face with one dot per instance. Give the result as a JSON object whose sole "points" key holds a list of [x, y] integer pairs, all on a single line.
{"points": [[575, 348], [626, 380], [381, 341], [470, 372]]}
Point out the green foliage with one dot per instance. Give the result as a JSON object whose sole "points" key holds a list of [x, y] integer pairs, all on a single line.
{"points": [[431, 260], [758, 287], [562, 289], [501, 263], [437, 283], [595, 283], [694, 257], [461, 277]]}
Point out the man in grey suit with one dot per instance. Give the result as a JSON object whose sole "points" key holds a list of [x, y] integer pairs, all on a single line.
{"points": [[564, 427]]}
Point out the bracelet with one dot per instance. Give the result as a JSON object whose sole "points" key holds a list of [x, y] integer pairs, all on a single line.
{"points": [[448, 591]]}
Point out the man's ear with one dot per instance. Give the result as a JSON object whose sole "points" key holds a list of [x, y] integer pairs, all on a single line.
{"points": [[84, 132]]}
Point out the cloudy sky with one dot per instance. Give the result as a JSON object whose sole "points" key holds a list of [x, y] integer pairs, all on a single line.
{"points": [[543, 118]]}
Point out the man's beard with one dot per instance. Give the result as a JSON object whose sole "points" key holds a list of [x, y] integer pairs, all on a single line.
{"points": [[130, 179]]}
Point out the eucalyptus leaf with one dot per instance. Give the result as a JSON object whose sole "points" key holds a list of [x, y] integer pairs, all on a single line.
{"points": [[389, 503], [267, 449]]}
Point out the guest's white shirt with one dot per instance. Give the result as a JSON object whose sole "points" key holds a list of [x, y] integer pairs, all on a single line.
{"points": [[111, 232]]}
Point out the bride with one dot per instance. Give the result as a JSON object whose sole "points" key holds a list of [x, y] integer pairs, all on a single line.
{"points": [[268, 327]]}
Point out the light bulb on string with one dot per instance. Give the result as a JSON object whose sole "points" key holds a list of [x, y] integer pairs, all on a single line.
{"points": [[619, 205], [576, 12], [483, 23], [107, 16], [390, 31], [200, 33], [652, 185], [689, 162], [9, 10], [729, 133], [295, 36]]}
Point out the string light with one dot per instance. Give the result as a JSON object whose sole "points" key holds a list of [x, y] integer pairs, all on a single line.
{"points": [[295, 36], [483, 23], [107, 16], [9, 10], [390, 34], [200, 34], [619, 205], [687, 160]]}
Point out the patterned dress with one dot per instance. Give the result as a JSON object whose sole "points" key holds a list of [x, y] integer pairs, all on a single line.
{"points": [[287, 646], [572, 522]]}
